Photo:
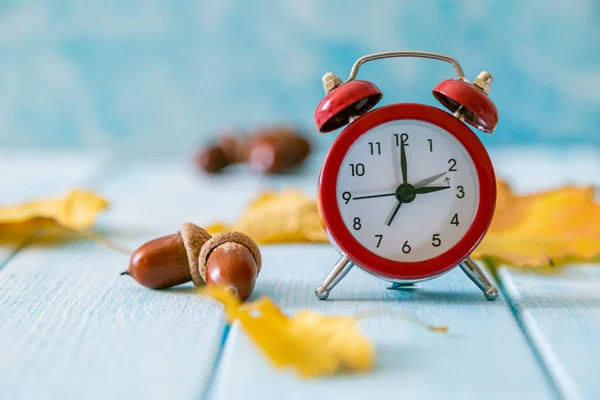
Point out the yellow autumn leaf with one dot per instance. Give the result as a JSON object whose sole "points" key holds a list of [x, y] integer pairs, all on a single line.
{"points": [[76, 210], [311, 344], [287, 216], [553, 227], [218, 228]]}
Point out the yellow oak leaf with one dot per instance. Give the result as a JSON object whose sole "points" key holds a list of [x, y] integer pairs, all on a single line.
{"points": [[287, 216], [549, 228], [218, 228], [76, 210], [313, 345]]}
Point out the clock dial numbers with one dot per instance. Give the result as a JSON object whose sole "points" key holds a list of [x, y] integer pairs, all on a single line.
{"points": [[416, 220], [347, 196], [375, 148], [401, 139], [406, 248], [358, 169], [452, 163], [454, 220]]}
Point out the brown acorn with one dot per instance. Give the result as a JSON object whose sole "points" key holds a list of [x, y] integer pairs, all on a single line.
{"points": [[212, 159], [267, 151], [160, 263], [277, 151], [233, 260], [230, 259]]}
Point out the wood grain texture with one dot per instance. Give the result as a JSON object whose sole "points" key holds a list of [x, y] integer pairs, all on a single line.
{"points": [[72, 328], [560, 313], [484, 354], [26, 175], [558, 310]]}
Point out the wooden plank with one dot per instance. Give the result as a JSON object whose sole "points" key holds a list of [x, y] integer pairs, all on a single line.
{"points": [[560, 313], [484, 354], [156, 195], [71, 327], [97, 328], [27, 175]]}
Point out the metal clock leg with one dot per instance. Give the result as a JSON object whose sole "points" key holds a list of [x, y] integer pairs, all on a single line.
{"points": [[477, 276], [338, 272]]}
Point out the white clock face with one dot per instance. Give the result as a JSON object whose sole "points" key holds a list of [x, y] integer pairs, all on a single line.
{"points": [[413, 213]]}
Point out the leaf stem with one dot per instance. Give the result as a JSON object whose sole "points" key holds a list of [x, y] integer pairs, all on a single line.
{"points": [[96, 238], [411, 318]]}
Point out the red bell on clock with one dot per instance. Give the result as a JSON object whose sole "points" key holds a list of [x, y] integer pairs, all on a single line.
{"points": [[344, 102], [471, 100], [407, 191]]}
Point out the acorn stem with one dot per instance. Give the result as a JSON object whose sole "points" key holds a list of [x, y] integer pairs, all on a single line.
{"points": [[124, 273]]}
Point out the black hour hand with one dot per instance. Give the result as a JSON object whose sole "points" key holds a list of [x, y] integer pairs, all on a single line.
{"points": [[430, 189]]}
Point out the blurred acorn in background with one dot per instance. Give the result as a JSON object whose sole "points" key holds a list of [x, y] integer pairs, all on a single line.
{"points": [[268, 151]]}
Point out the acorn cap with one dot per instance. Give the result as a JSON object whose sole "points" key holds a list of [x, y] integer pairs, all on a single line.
{"points": [[194, 239], [224, 237]]}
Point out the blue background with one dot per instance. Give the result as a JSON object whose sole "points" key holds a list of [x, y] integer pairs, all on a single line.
{"points": [[164, 75]]}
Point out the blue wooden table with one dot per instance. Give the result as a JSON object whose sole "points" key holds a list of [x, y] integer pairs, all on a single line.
{"points": [[72, 328]]}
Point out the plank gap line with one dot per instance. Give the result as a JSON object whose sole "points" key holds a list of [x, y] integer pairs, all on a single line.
{"points": [[558, 378], [211, 378]]}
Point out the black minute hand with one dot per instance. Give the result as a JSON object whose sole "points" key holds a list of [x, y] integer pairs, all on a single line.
{"points": [[430, 189]]}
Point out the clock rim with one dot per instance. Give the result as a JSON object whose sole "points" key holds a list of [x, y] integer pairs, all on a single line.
{"points": [[332, 219]]}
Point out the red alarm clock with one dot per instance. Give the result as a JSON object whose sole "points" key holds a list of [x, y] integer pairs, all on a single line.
{"points": [[407, 191]]}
